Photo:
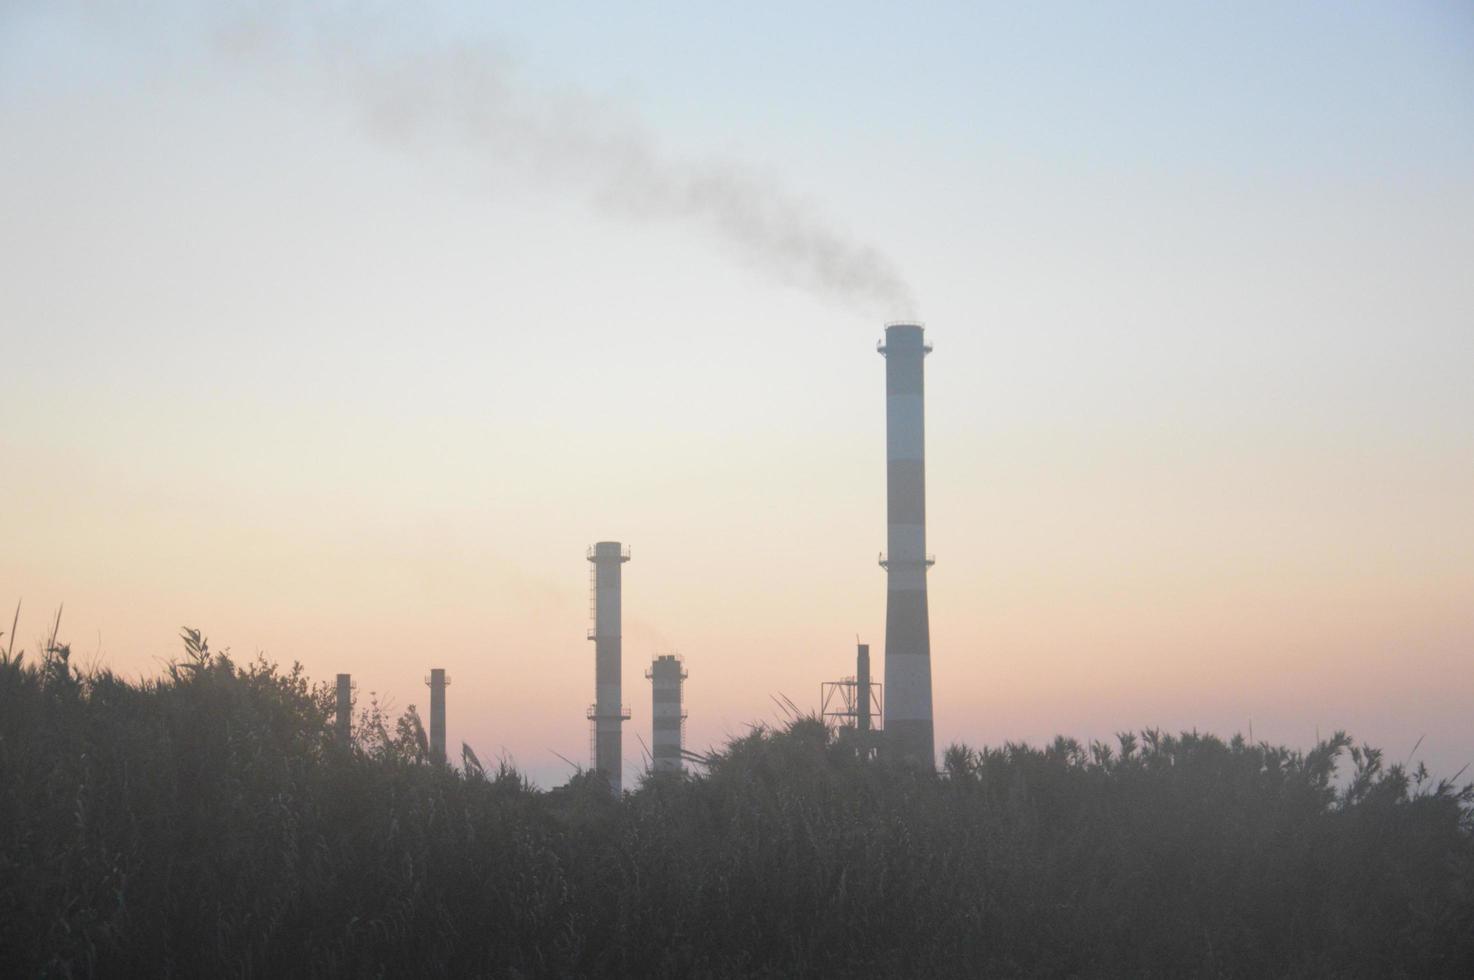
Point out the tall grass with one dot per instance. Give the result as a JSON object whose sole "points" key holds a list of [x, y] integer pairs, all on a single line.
{"points": [[208, 823]]}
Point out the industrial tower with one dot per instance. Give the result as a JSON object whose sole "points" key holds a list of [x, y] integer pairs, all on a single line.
{"points": [[344, 720], [608, 713], [854, 702], [438, 683], [667, 713], [908, 717]]}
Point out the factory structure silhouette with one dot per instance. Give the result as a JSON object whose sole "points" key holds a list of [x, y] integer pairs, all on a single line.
{"points": [[902, 703]]}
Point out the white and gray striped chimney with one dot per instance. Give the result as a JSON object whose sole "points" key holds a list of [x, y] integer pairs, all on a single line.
{"points": [[908, 717], [667, 713]]}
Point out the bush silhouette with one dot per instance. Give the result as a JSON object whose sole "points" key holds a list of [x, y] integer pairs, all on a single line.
{"points": [[209, 823]]}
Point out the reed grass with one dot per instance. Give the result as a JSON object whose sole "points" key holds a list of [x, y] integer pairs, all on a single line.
{"points": [[208, 823]]}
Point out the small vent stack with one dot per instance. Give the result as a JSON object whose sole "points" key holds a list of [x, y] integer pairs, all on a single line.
{"points": [[667, 713], [437, 682]]}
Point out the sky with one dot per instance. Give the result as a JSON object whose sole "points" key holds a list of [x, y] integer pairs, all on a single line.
{"points": [[340, 332]]}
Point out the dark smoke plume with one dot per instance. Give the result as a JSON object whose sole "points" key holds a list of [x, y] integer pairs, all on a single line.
{"points": [[466, 94]]}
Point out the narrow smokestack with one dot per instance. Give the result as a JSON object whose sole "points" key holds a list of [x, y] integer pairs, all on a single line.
{"points": [[862, 688], [908, 718], [608, 713], [344, 721], [667, 713], [438, 682]]}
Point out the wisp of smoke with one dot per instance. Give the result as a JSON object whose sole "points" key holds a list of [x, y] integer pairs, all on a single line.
{"points": [[466, 93]]}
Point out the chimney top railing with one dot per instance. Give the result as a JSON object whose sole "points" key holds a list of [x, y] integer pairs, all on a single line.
{"points": [[885, 562]]}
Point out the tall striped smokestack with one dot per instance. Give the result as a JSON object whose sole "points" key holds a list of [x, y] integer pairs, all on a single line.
{"points": [[608, 713], [908, 718]]}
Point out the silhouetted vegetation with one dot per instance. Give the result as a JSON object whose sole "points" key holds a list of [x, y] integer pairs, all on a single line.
{"points": [[208, 824]]}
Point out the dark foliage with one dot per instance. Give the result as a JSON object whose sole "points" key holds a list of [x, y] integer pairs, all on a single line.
{"points": [[208, 824]]}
